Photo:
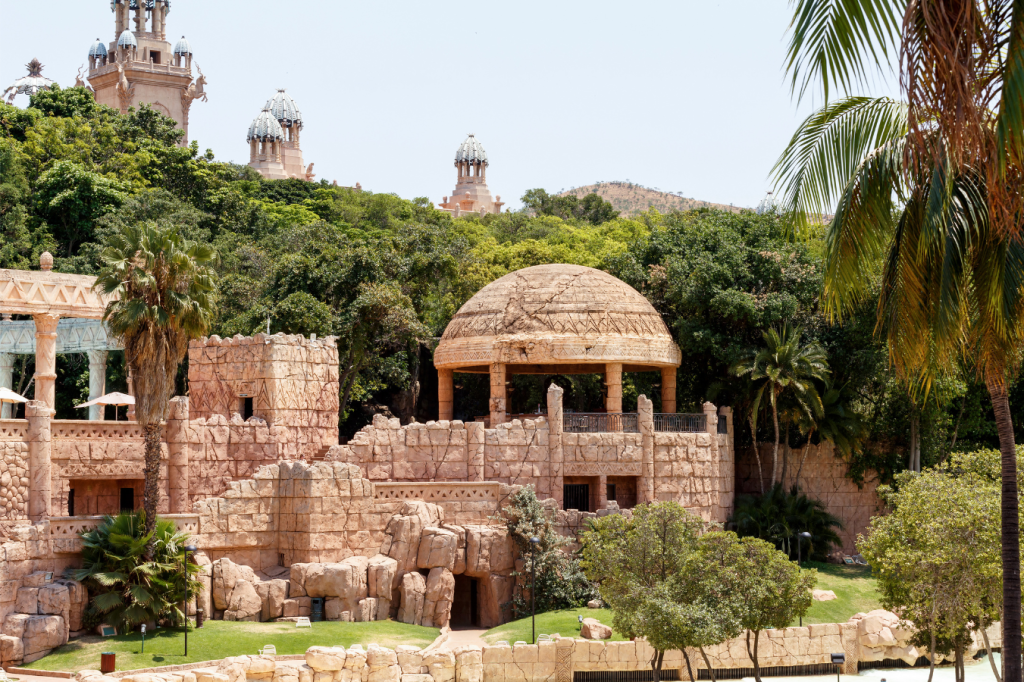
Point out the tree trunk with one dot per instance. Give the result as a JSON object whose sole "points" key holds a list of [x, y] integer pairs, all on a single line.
{"points": [[931, 651], [757, 453], [914, 463], [753, 654], [991, 655], [803, 457], [785, 458], [707, 662], [659, 656], [689, 668], [775, 453], [151, 495], [1009, 532]]}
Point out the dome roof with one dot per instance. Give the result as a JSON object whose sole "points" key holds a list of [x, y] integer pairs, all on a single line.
{"points": [[127, 39], [471, 150], [559, 314], [182, 47], [30, 84], [265, 127], [285, 110], [98, 49]]}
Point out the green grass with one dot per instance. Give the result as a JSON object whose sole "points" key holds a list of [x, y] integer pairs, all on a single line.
{"points": [[856, 592], [564, 623], [219, 639]]}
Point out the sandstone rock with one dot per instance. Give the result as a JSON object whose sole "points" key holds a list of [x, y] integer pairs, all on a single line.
{"points": [[297, 580], [355, 659], [594, 629], [402, 534], [441, 665], [43, 633], [380, 572], [78, 601], [823, 595], [54, 599], [245, 602], [468, 664], [437, 549], [410, 658], [225, 575], [15, 623], [332, 609], [366, 610], [488, 550], [260, 665], [595, 604], [11, 650], [412, 590], [414, 677], [346, 581], [27, 600], [290, 608], [325, 658], [272, 593], [460, 548], [437, 601]]}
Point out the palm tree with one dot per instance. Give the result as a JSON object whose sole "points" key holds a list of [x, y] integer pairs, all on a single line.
{"points": [[927, 193], [164, 289], [784, 366], [837, 424]]}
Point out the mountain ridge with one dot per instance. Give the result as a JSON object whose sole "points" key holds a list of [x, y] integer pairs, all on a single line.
{"points": [[630, 198]]}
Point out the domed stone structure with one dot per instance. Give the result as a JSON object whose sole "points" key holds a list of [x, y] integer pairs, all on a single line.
{"points": [[265, 138], [471, 194], [556, 319], [283, 109]]}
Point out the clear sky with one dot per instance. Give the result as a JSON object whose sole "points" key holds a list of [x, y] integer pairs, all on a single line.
{"points": [[683, 95]]}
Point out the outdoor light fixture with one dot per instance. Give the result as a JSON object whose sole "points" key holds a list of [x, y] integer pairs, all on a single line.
{"points": [[534, 541], [838, 660], [143, 638], [189, 550], [801, 536]]}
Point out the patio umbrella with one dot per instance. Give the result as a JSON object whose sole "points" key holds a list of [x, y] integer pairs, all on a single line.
{"points": [[9, 396], [115, 399]]}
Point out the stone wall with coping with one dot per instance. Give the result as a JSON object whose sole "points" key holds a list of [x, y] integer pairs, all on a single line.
{"points": [[14, 481]]}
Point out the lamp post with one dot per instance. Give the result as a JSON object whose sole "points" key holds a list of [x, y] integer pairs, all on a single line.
{"points": [[801, 536], [189, 550], [534, 541]]}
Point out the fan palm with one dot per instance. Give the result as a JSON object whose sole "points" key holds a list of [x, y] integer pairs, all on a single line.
{"points": [[778, 517], [164, 297], [927, 194], [784, 366]]}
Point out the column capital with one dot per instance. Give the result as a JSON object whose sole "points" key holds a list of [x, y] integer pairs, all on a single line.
{"points": [[46, 323]]}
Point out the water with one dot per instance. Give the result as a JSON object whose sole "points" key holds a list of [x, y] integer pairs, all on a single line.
{"points": [[979, 671]]}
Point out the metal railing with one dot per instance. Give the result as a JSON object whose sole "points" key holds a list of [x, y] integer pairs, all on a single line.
{"points": [[598, 422], [681, 423]]}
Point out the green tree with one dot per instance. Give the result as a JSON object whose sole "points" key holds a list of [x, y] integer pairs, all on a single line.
{"points": [[70, 199], [778, 516], [785, 369], [929, 192], [125, 587], [163, 290], [591, 208]]}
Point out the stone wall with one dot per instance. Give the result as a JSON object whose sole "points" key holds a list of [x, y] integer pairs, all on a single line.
{"points": [[822, 477], [14, 481]]}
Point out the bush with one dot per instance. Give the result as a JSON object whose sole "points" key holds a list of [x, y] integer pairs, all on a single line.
{"points": [[126, 588], [778, 516]]}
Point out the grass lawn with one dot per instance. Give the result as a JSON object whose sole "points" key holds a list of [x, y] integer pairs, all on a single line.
{"points": [[220, 639], [564, 623], [856, 592]]}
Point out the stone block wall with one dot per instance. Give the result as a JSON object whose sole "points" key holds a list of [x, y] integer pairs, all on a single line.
{"points": [[14, 481], [823, 477]]}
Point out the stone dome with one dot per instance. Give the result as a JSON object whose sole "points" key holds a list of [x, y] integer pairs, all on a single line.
{"points": [[471, 150], [566, 315], [183, 47], [98, 49], [265, 127], [285, 110], [127, 39]]}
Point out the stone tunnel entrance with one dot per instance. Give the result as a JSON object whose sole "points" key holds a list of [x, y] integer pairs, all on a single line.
{"points": [[465, 603]]}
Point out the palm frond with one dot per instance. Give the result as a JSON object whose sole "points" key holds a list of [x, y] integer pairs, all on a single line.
{"points": [[836, 41], [1010, 123]]}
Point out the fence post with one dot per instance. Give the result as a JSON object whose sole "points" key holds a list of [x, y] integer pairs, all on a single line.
{"points": [[555, 393], [645, 423], [39, 414]]}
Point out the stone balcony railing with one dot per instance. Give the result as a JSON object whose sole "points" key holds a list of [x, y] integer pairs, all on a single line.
{"points": [[14, 429], [147, 67], [65, 530], [83, 429], [628, 422]]}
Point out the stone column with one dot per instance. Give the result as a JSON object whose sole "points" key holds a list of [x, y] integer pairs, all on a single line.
{"points": [[557, 456], [476, 440], [445, 395], [140, 19], [499, 400], [668, 390], [38, 415], [97, 381], [645, 417], [6, 380], [46, 357], [602, 491], [613, 380], [711, 425], [130, 411], [177, 455]]}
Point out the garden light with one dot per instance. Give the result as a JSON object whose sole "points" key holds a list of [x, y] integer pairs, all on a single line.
{"points": [[189, 550], [534, 541], [143, 638]]}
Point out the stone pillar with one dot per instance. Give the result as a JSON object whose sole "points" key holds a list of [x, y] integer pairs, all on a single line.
{"points": [[475, 438], [613, 382], [97, 381], [445, 395], [555, 452], [46, 357], [727, 462], [38, 415], [6, 381], [499, 399], [668, 390], [602, 491], [140, 19], [645, 418], [130, 411], [177, 455]]}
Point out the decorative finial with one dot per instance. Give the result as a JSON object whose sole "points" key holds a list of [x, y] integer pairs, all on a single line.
{"points": [[34, 67], [46, 261]]}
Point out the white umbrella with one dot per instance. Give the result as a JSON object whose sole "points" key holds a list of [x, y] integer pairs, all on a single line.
{"points": [[9, 396], [115, 399]]}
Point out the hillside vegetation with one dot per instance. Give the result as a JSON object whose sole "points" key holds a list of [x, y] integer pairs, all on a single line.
{"points": [[630, 199]]}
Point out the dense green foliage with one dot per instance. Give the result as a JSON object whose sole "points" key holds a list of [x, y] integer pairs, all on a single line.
{"points": [[125, 588], [386, 275], [778, 517]]}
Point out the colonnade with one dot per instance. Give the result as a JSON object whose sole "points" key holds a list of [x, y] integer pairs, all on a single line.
{"points": [[122, 18]]}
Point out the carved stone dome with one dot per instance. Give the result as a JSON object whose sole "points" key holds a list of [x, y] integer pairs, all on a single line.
{"points": [[285, 110], [127, 39], [98, 49], [565, 315], [471, 150], [265, 127], [183, 47]]}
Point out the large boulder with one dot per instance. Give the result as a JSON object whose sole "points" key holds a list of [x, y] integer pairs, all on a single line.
{"points": [[438, 549], [78, 601], [469, 664], [488, 550], [460, 548], [245, 602], [27, 600], [42, 634], [383, 665], [346, 581], [403, 531], [272, 593], [380, 578], [412, 590], [325, 659], [225, 575], [437, 601], [366, 610], [594, 629], [12, 651], [441, 665]]}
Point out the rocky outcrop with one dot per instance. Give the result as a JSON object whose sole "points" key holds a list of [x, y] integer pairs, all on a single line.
{"points": [[245, 602], [438, 547], [594, 629], [403, 533], [413, 592], [437, 600], [46, 613], [345, 581]]}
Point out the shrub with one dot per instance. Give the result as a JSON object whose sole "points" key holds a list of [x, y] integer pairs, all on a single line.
{"points": [[778, 516]]}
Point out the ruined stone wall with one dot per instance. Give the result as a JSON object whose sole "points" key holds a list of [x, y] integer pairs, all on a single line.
{"points": [[291, 380], [14, 469], [823, 477], [697, 470]]}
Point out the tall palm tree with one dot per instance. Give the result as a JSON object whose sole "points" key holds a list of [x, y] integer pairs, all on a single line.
{"points": [[785, 366], [927, 194], [164, 287]]}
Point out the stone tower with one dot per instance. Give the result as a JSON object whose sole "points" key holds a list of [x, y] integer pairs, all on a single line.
{"points": [[140, 65], [282, 109], [471, 193]]}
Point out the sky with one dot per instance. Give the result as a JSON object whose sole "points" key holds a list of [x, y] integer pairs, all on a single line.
{"points": [[686, 96]]}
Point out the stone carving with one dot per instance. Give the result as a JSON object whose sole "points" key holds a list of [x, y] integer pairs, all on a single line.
{"points": [[73, 336], [602, 468], [125, 90], [28, 292]]}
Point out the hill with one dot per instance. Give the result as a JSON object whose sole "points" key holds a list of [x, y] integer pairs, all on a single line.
{"points": [[630, 199]]}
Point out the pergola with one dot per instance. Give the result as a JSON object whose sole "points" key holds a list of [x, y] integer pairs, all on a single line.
{"points": [[48, 297], [556, 319]]}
